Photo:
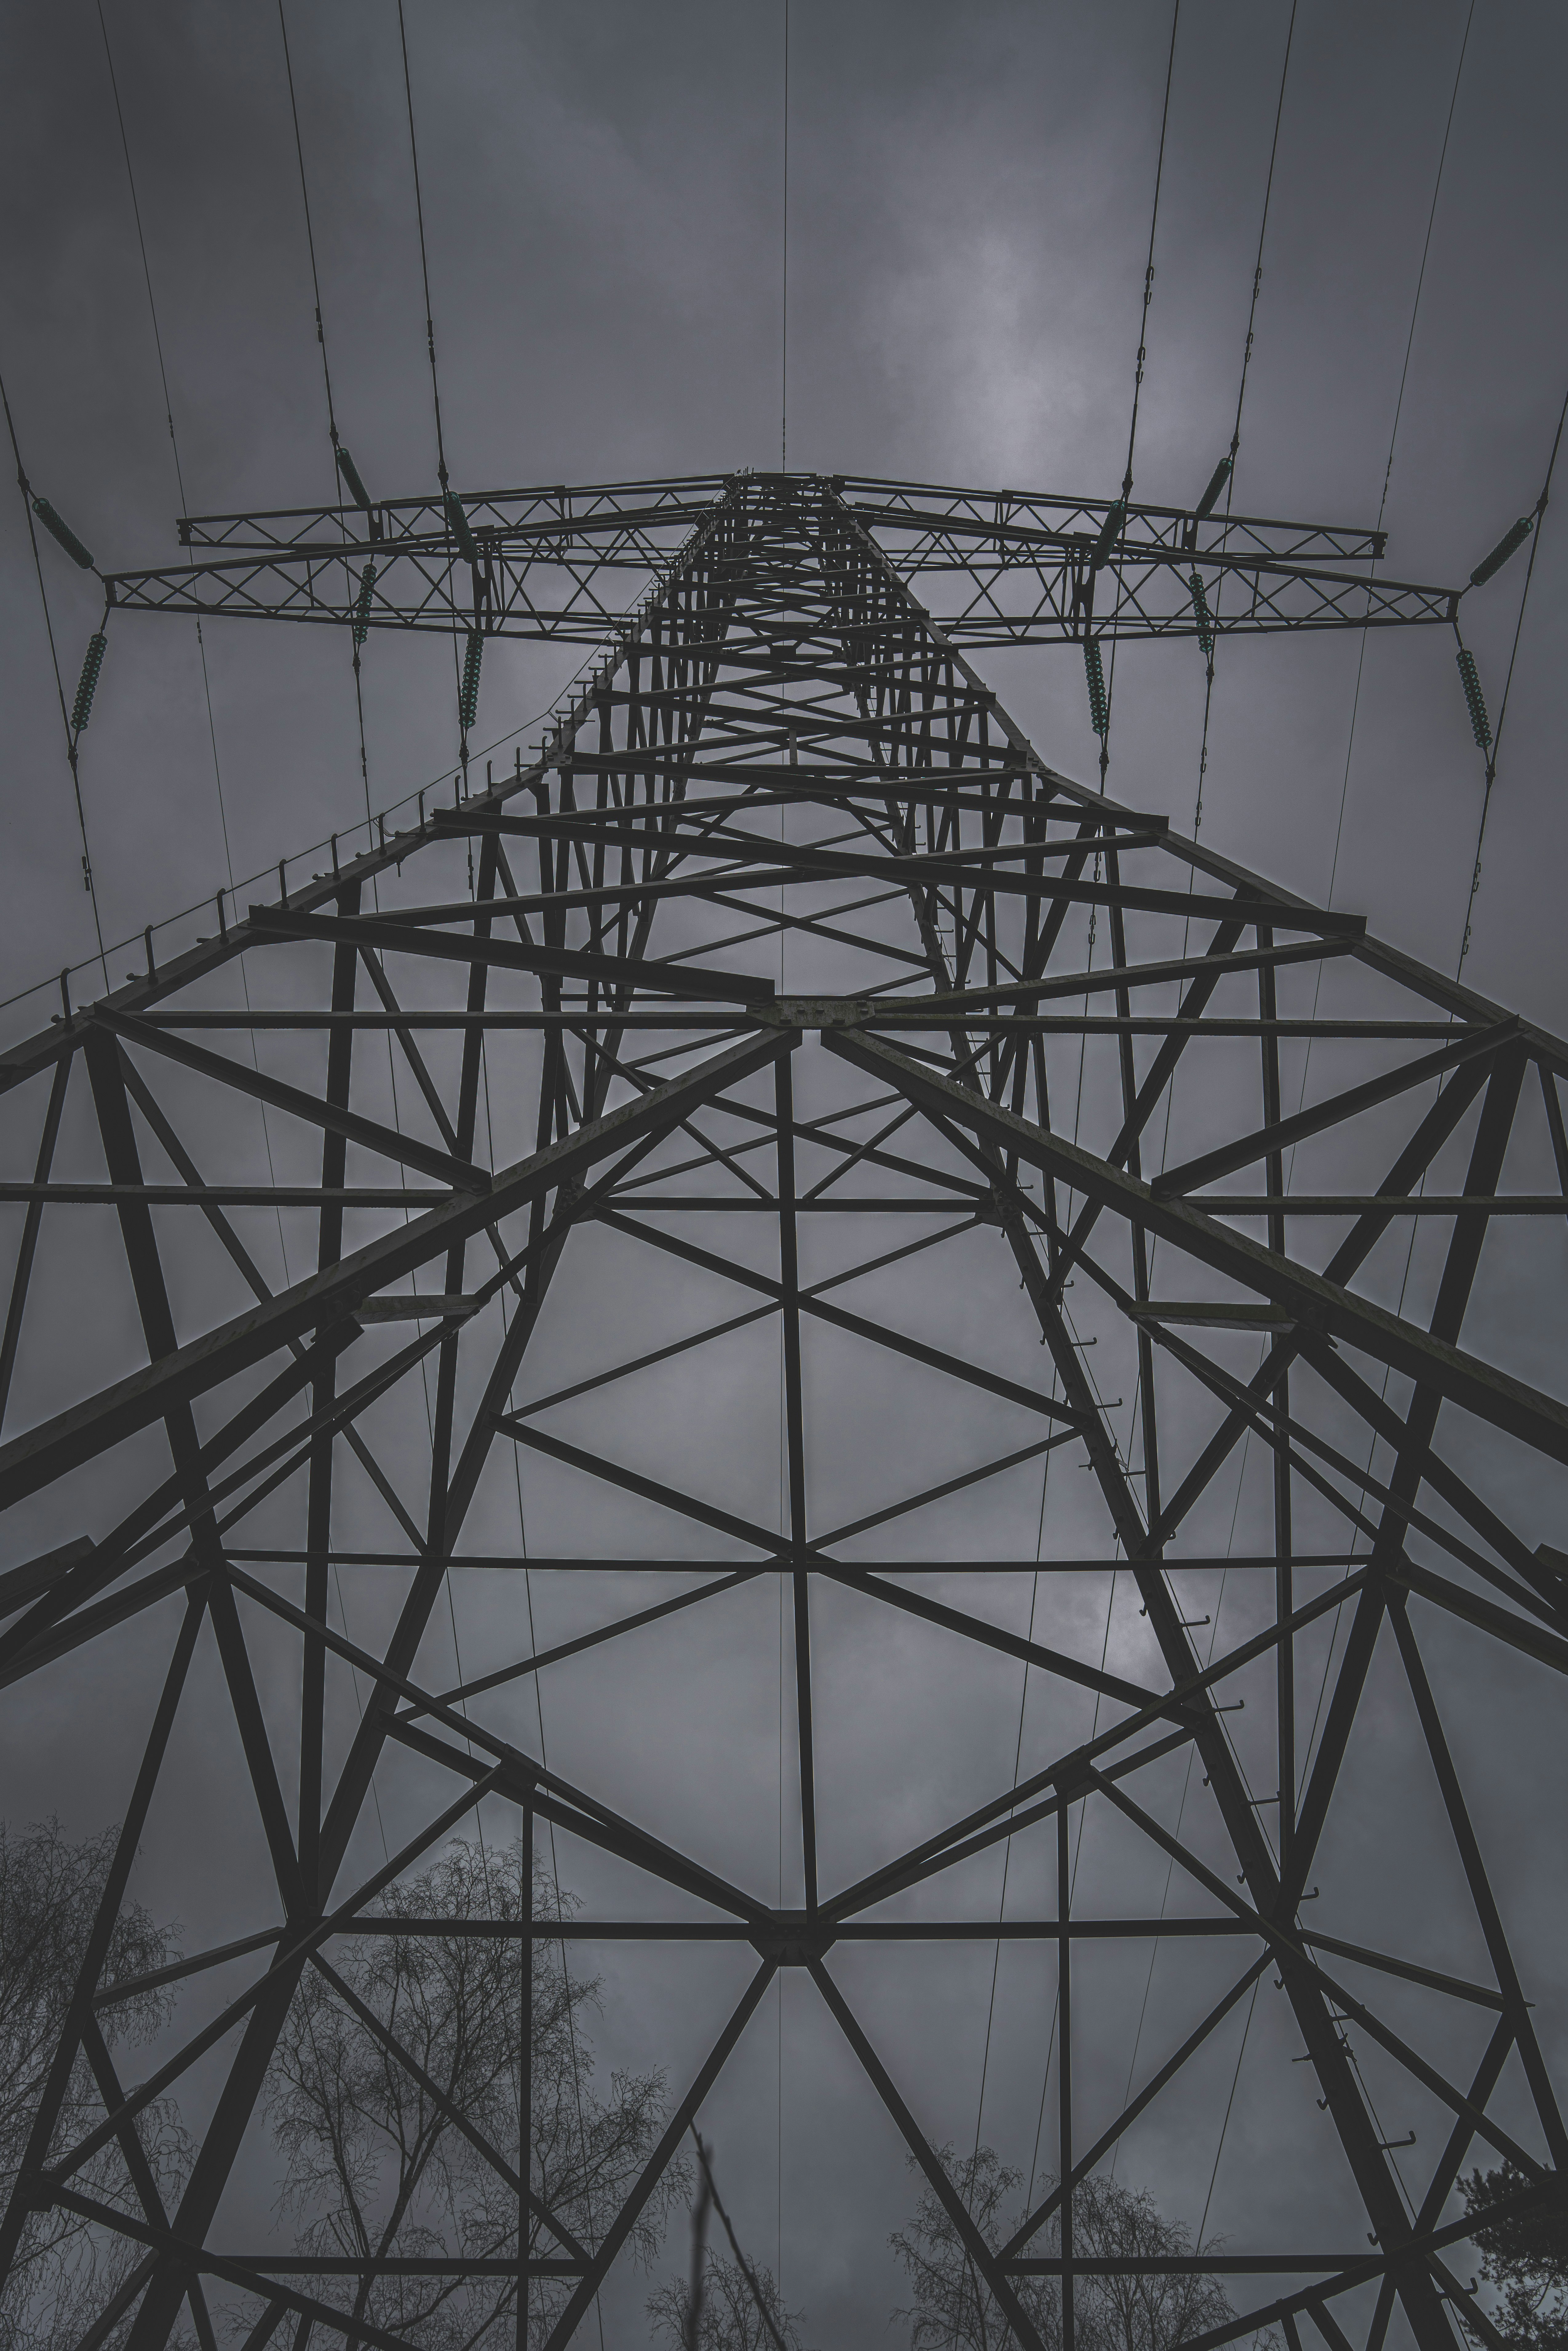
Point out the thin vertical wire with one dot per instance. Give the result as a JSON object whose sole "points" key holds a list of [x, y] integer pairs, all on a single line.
{"points": [[1541, 505], [424, 258], [1149, 266], [784, 314], [1138, 389], [1258, 266], [1389, 468], [200, 641], [309, 230], [1247, 349], [332, 435], [25, 488], [1349, 754]]}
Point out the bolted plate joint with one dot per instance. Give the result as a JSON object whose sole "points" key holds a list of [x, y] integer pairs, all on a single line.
{"points": [[793, 1939], [822, 1011]]}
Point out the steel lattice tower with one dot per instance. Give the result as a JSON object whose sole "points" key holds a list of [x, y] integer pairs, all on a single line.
{"points": [[996, 980]]}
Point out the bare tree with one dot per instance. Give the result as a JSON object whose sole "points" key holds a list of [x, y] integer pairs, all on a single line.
{"points": [[955, 2310], [729, 2318], [68, 2269], [402, 2032]]}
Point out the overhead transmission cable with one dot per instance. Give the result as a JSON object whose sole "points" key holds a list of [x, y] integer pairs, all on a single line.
{"points": [[168, 414], [31, 506], [342, 461], [784, 305], [1223, 476], [201, 643], [1225, 472], [466, 675], [457, 523], [1393, 444], [424, 255], [1149, 266], [1101, 688], [1493, 741], [1349, 754]]}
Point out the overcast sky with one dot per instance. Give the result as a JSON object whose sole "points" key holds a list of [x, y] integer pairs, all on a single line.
{"points": [[970, 194]]}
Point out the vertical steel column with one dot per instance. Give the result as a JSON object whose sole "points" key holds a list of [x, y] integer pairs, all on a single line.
{"points": [[1064, 2066], [525, 2075]]}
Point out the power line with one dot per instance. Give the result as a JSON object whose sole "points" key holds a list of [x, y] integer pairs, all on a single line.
{"points": [[339, 454], [1258, 266], [1241, 398], [310, 232], [1540, 512], [1149, 266], [784, 322], [25, 488], [200, 642], [168, 412], [1392, 441], [423, 257], [1114, 518], [1349, 754]]}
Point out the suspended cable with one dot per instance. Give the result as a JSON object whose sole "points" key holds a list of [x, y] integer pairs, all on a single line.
{"points": [[309, 230], [168, 409], [1349, 755], [141, 242], [1223, 477], [456, 518], [28, 507], [1149, 266], [1224, 474], [1382, 505], [468, 699], [784, 320], [1361, 656], [424, 258], [1110, 529], [1257, 265], [200, 642], [1224, 2126], [1393, 443], [342, 462], [1492, 745]]}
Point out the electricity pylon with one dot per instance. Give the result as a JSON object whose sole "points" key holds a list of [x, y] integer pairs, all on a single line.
{"points": [[1038, 1032]]}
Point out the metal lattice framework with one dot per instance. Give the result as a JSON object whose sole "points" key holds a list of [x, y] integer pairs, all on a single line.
{"points": [[1027, 569], [548, 1021]]}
